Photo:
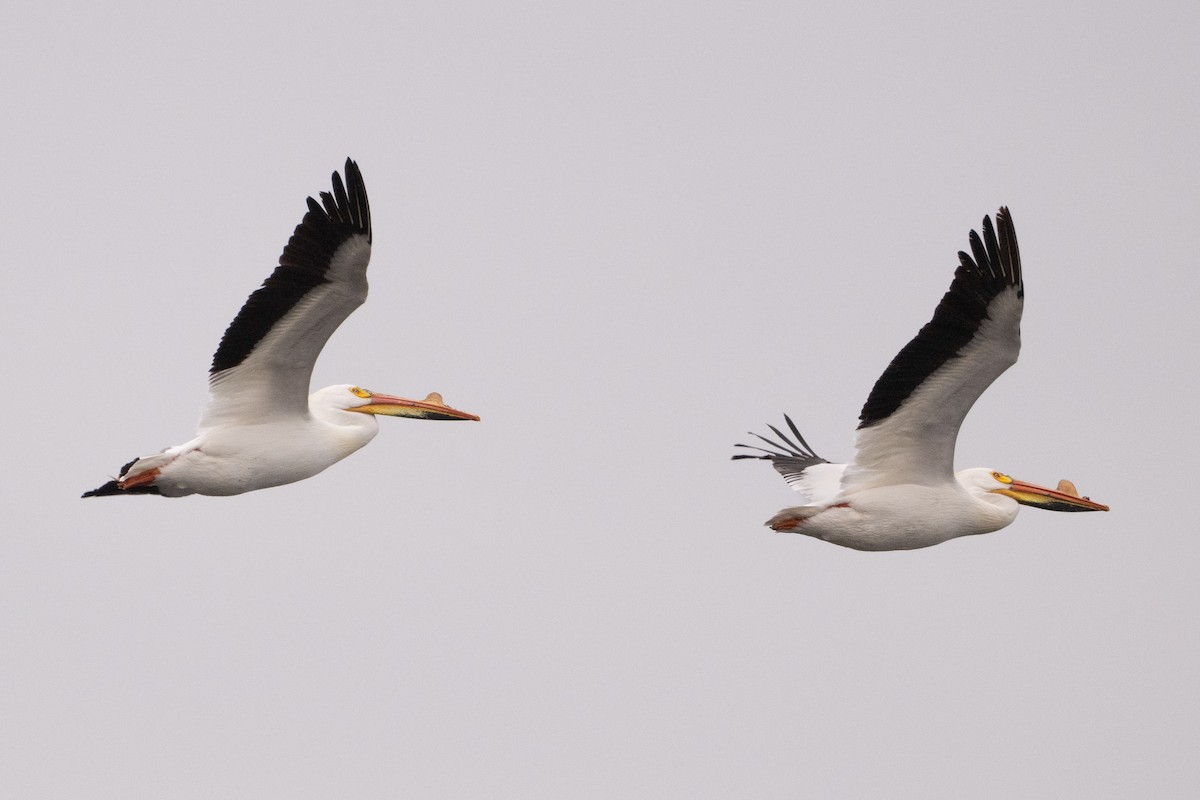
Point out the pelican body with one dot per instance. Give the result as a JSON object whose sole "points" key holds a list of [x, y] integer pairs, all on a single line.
{"points": [[901, 491], [260, 427]]}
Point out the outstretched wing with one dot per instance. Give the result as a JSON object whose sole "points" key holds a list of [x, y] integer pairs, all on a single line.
{"points": [[263, 366], [910, 422], [805, 471]]}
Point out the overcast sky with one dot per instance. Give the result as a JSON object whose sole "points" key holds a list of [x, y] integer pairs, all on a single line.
{"points": [[624, 235]]}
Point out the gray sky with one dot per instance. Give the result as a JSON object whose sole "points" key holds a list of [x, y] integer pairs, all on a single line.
{"points": [[623, 235]]}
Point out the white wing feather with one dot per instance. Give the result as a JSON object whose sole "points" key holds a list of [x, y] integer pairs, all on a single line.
{"points": [[916, 443], [273, 381], [912, 418], [262, 368]]}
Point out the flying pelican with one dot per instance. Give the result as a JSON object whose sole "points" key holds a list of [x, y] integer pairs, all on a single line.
{"points": [[901, 492], [261, 427]]}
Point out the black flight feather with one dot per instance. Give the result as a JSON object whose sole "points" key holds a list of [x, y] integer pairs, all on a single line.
{"points": [[790, 458], [112, 487], [302, 266], [995, 268]]}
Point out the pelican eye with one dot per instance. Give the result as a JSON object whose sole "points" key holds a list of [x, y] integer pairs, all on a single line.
{"points": [[1000, 476], [358, 391]]}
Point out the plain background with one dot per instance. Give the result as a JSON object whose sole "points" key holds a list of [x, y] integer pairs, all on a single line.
{"points": [[623, 234]]}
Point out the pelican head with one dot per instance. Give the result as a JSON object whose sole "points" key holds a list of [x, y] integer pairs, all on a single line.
{"points": [[1064, 498], [364, 401]]}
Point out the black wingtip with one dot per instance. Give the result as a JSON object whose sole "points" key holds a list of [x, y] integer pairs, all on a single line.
{"points": [[113, 488], [995, 251], [356, 196], [797, 449], [1010, 252], [109, 488]]}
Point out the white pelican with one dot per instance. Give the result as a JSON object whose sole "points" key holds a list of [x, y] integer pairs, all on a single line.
{"points": [[261, 427], [901, 492]]}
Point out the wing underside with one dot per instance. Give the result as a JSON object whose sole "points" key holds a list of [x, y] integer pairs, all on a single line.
{"points": [[810, 475], [911, 419], [263, 366]]}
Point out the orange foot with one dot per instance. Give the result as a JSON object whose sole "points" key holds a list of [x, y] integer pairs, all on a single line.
{"points": [[141, 479]]}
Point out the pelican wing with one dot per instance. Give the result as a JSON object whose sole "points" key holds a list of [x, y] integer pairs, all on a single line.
{"points": [[811, 476], [910, 422], [262, 368]]}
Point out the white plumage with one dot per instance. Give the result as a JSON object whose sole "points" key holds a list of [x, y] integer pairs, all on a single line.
{"points": [[261, 427], [901, 491]]}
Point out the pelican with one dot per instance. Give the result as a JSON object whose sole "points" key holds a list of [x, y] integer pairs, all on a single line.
{"points": [[901, 492], [261, 427]]}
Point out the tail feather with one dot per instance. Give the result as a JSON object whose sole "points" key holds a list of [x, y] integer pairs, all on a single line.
{"points": [[792, 457]]}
